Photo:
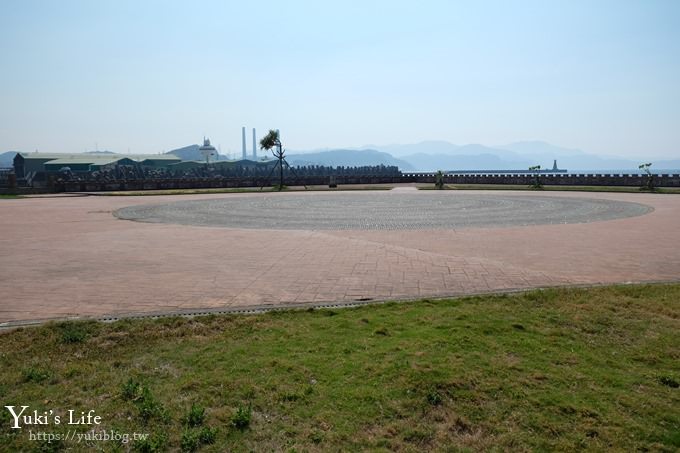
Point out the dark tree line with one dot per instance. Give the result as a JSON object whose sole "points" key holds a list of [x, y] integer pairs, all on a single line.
{"points": [[367, 170], [137, 172]]}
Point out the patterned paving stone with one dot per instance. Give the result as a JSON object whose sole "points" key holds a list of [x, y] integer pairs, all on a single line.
{"points": [[383, 211], [64, 257]]}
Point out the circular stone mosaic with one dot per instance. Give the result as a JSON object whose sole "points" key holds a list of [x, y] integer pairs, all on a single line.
{"points": [[382, 211]]}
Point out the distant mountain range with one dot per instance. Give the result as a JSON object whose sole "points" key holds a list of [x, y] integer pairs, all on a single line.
{"points": [[333, 158], [7, 159], [187, 153], [348, 158], [442, 155]]}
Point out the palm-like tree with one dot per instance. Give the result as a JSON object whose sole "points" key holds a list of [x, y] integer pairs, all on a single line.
{"points": [[537, 177], [649, 183], [272, 140]]}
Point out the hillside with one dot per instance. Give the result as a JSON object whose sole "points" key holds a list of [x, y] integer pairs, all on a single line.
{"points": [[435, 155], [187, 153], [348, 158], [441, 155], [445, 162], [7, 159]]}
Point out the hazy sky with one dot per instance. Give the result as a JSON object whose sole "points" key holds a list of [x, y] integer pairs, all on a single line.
{"points": [[603, 76]]}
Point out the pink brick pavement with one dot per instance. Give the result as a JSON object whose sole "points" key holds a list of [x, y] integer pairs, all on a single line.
{"points": [[68, 257]]}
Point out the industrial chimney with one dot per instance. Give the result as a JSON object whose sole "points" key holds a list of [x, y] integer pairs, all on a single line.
{"points": [[254, 145], [243, 137]]}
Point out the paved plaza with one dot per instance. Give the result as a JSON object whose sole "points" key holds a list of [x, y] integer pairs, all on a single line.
{"points": [[366, 211], [67, 257]]}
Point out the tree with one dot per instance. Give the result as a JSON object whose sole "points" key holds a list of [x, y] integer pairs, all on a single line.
{"points": [[537, 177], [648, 184], [439, 180], [272, 140]]}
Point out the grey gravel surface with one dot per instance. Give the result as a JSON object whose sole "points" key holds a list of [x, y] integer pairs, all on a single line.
{"points": [[382, 211]]}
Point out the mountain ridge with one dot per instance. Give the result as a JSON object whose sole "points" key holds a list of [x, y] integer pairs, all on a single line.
{"points": [[435, 155], [432, 155], [348, 157], [7, 159]]}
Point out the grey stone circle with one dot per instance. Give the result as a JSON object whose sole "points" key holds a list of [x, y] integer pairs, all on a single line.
{"points": [[382, 211]]}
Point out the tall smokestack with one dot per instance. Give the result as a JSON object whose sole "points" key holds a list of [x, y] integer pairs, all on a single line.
{"points": [[243, 137], [254, 145]]}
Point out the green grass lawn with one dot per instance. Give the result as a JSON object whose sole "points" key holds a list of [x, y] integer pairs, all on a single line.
{"points": [[558, 369]]}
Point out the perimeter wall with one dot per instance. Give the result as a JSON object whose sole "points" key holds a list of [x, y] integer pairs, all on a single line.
{"points": [[628, 180]]}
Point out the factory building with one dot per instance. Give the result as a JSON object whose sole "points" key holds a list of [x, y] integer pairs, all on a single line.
{"points": [[36, 166], [32, 165]]}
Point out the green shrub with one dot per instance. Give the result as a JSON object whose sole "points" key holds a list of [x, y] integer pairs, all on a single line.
{"points": [[207, 435], [669, 382], [72, 332], [241, 418], [149, 407], [190, 441], [316, 436], [131, 389], [152, 444], [32, 374], [196, 416], [433, 397]]}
